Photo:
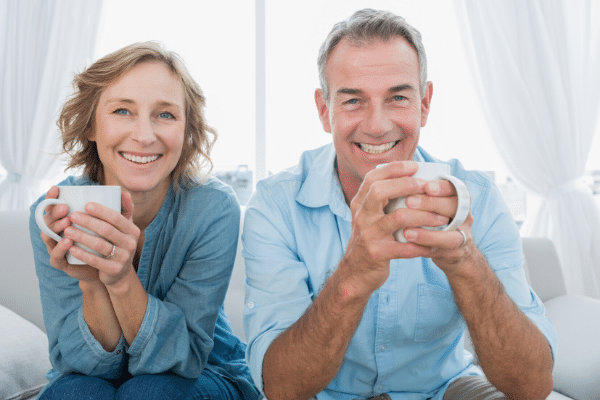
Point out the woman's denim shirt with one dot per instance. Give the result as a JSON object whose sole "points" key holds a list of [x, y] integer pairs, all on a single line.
{"points": [[185, 267]]}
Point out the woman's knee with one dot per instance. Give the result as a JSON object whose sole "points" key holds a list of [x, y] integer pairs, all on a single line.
{"points": [[154, 387], [79, 387]]}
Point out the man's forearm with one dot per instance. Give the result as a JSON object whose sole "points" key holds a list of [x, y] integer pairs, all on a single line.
{"points": [[512, 351], [305, 358]]}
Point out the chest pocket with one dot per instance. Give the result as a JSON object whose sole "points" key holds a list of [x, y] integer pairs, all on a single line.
{"points": [[437, 313]]}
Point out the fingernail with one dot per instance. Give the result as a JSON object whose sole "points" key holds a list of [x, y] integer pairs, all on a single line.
{"points": [[410, 234], [89, 207], [421, 182], [434, 187]]}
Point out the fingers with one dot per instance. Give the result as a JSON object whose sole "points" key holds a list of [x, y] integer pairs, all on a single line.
{"points": [[52, 193], [115, 231], [449, 243], [402, 219], [445, 206], [58, 251], [388, 182]]}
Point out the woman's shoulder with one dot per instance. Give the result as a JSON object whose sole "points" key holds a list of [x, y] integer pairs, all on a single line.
{"points": [[210, 194]]}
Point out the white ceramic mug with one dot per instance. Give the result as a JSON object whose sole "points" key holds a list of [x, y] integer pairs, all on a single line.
{"points": [[431, 172], [76, 197]]}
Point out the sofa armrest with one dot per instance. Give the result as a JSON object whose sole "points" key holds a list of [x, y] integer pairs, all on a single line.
{"points": [[577, 365]]}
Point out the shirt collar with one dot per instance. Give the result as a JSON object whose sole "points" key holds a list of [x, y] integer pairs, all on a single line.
{"points": [[322, 186]]}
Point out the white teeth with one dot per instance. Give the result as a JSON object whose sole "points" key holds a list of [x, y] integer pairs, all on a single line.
{"points": [[140, 160], [369, 148]]}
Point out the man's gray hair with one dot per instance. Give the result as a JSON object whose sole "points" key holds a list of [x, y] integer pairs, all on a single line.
{"points": [[367, 25]]}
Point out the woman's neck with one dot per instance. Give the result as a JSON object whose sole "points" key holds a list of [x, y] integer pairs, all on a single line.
{"points": [[146, 206]]}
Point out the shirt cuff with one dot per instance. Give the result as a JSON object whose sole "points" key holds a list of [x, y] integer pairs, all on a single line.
{"points": [[147, 328]]}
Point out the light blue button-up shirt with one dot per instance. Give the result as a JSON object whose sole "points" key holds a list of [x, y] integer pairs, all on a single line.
{"points": [[410, 342], [185, 267]]}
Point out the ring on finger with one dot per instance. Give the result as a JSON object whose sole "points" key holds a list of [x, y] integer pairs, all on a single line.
{"points": [[112, 253], [464, 235]]}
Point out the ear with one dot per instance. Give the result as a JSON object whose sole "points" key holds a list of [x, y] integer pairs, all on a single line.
{"points": [[91, 132], [323, 110], [426, 103]]}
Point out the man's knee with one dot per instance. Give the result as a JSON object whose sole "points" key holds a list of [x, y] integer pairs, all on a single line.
{"points": [[472, 388]]}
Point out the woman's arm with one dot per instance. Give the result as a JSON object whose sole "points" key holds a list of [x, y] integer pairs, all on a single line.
{"points": [[195, 256], [73, 347]]}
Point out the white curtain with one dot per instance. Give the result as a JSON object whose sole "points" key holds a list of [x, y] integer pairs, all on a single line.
{"points": [[536, 64], [42, 44]]}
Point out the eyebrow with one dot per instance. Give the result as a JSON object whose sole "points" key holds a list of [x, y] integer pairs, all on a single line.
{"points": [[130, 101], [394, 89], [401, 88]]}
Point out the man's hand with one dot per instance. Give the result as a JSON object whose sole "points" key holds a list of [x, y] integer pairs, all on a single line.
{"points": [[372, 244], [446, 248]]}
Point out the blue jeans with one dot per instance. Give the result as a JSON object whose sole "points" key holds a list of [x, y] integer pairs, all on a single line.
{"points": [[144, 387]]}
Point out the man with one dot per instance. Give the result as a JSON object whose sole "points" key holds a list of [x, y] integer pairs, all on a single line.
{"points": [[336, 308]]}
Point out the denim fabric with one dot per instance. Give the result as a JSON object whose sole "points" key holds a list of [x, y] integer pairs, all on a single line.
{"points": [[144, 387], [410, 342], [185, 267]]}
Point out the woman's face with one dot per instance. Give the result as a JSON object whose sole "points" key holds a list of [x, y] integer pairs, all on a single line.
{"points": [[139, 128]]}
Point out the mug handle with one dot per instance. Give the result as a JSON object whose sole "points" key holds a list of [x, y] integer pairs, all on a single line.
{"points": [[464, 202], [39, 217]]}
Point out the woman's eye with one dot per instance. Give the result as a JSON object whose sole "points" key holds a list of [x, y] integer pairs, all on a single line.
{"points": [[166, 115], [122, 111]]}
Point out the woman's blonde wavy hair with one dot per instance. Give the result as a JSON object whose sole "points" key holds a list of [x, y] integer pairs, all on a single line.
{"points": [[76, 120]]}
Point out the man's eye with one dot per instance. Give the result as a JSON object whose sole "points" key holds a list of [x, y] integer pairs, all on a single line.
{"points": [[352, 101], [399, 97], [166, 115]]}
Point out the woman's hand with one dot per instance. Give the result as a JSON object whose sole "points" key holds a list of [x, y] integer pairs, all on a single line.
{"points": [[114, 229], [57, 220]]}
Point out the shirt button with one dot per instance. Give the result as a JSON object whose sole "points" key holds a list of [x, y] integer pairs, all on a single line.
{"points": [[382, 347], [118, 351], [250, 304]]}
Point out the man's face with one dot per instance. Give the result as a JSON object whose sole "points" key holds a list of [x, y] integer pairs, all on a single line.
{"points": [[375, 110]]}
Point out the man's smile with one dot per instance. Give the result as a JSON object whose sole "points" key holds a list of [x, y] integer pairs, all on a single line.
{"points": [[376, 149]]}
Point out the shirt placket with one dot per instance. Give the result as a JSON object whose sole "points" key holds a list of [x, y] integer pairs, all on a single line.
{"points": [[384, 330]]}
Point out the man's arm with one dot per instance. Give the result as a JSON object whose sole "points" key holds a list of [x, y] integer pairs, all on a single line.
{"points": [[305, 358], [302, 360], [512, 351]]}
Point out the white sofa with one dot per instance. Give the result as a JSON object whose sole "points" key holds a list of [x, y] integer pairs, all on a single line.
{"points": [[24, 346]]}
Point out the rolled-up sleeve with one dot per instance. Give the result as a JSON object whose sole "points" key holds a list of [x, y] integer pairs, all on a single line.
{"points": [[72, 346], [177, 332], [277, 282]]}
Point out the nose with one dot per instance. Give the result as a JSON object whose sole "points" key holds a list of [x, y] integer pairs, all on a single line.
{"points": [[377, 122], [143, 132]]}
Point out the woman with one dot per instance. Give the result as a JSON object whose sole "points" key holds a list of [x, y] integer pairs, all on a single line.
{"points": [[146, 320]]}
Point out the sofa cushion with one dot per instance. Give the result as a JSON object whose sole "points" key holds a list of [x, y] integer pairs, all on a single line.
{"points": [[577, 364], [24, 357]]}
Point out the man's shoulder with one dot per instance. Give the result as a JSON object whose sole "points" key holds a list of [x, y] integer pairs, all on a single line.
{"points": [[292, 178]]}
